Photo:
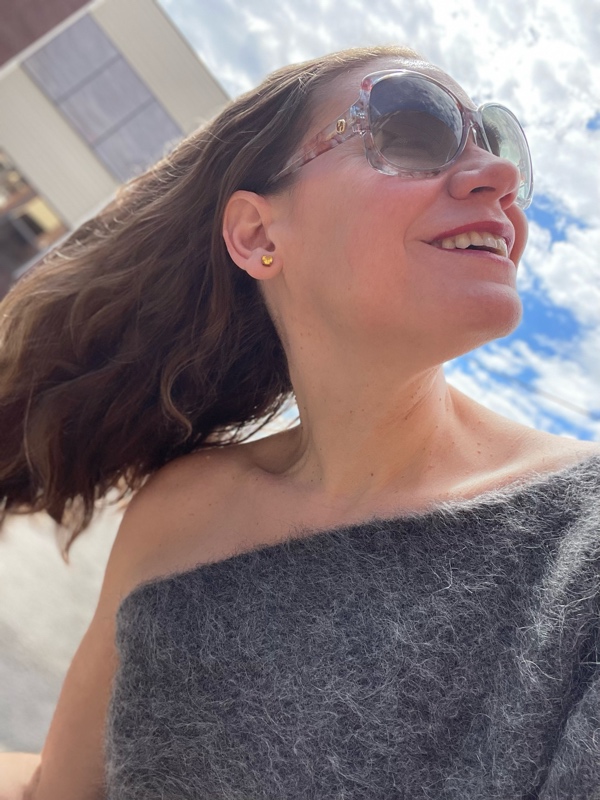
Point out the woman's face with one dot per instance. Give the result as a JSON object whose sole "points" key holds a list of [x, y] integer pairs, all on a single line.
{"points": [[361, 255]]}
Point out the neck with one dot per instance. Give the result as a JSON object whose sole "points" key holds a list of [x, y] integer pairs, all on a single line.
{"points": [[360, 440]]}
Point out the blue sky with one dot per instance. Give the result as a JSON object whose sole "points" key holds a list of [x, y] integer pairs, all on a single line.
{"points": [[542, 59]]}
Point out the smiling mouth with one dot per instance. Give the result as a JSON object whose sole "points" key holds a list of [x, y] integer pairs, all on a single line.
{"points": [[473, 240]]}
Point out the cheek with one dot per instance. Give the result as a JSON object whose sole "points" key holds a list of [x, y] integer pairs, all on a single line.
{"points": [[377, 236], [519, 220], [352, 235]]}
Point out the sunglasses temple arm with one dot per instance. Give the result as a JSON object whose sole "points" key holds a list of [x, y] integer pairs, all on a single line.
{"points": [[337, 133]]}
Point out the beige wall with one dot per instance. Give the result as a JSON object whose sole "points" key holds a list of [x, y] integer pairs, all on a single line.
{"points": [[48, 151]]}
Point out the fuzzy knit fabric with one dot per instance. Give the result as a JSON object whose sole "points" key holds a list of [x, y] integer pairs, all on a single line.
{"points": [[449, 655]]}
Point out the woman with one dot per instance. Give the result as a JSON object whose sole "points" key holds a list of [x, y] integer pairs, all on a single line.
{"points": [[399, 596]]}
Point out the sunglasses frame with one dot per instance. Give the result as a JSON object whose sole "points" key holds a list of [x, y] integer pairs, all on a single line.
{"points": [[356, 121]]}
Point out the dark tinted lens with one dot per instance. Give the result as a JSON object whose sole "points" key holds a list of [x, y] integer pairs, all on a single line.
{"points": [[494, 137], [414, 123]]}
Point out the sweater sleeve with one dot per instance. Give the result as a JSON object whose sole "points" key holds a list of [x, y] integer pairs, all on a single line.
{"points": [[574, 772]]}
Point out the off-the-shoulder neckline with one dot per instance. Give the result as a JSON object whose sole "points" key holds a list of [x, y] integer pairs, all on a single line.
{"points": [[509, 493]]}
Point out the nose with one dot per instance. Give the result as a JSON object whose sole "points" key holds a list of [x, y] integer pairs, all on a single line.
{"points": [[477, 171]]}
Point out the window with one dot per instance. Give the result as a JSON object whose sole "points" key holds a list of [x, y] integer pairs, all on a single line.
{"points": [[103, 98]]}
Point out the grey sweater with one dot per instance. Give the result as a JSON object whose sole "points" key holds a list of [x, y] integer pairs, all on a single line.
{"points": [[450, 654]]}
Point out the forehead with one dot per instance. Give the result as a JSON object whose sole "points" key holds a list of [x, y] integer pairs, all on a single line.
{"points": [[343, 90]]}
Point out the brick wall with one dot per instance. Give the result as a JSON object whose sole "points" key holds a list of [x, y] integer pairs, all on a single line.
{"points": [[24, 21]]}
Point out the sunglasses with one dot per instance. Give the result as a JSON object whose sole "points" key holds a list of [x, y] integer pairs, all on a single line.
{"points": [[413, 126]]}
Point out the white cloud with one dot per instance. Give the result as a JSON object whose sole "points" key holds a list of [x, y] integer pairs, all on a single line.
{"points": [[569, 273]]}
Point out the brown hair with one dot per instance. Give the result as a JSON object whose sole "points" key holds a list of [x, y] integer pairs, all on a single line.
{"points": [[138, 340]]}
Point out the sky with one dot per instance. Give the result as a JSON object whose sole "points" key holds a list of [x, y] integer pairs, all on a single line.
{"points": [[541, 58]]}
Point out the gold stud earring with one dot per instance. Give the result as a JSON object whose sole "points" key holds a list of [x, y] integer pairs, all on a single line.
{"points": [[267, 260]]}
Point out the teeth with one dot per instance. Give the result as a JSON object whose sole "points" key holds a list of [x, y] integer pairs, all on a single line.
{"points": [[464, 240]]}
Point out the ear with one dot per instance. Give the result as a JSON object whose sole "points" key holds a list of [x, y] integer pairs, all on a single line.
{"points": [[246, 233]]}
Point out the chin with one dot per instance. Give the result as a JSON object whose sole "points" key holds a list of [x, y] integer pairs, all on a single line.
{"points": [[478, 319], [495, 316]]}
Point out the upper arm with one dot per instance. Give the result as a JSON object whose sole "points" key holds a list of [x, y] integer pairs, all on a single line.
{"points": [[72, 760], [72, 763]]}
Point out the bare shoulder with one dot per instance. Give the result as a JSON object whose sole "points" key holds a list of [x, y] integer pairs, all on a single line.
{"points": [[543, 454], [549, 452], [192, 483], [199, 508], [180, 516], [511, 452], [199, 480], [520, 449]]}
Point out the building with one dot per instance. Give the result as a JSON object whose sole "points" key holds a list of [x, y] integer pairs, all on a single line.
{"points": [[91, 93]]}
